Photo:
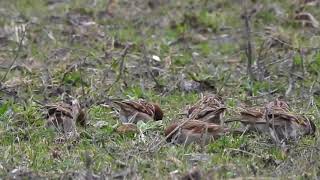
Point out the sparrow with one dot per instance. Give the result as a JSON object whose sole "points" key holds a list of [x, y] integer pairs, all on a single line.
{"points": [[276, 119], [209, 109], [287, 125], [134, 111], [65, 115], [194, 131], [252, 119]]}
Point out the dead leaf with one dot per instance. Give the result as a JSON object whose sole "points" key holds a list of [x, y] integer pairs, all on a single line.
{"points": [[167, 62], [198, 38], [127, 128], [56, 153], [16, 82], [176, 161], [156, 58], [277, 38]]}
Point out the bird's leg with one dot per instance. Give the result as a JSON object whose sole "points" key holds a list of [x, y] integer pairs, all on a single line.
{"points": [[245, 130], [186, 141], [133, 118], [274, 135], [205, 136], [272, 130]]}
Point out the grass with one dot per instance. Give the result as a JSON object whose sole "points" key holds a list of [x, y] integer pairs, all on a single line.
{"points": [[28, 146]]}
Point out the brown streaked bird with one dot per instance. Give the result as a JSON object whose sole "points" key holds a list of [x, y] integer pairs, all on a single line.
{"points": [[278, 105], [65, 115], [209, 109], [286, 125], [194, 131], [276, 120], [134, 111], [252, 119]]}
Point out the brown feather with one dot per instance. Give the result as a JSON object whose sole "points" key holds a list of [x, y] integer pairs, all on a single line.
{"points": [[194, 131], [139, 110], [210, 109]]}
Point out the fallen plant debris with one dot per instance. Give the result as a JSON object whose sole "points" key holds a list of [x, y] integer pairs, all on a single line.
{"points": [[125, 128], [56, 153]]}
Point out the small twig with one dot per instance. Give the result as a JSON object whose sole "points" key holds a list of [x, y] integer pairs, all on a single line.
{"points": [[123, 55], [311, 94], [284, 43], [16, 53], [224, 82], [81, 79], [311, 103], [249, 46], [291, 80], [279, 60], [302, 61], [173, 87], [121, 67], [146, 59], [260, 61]]}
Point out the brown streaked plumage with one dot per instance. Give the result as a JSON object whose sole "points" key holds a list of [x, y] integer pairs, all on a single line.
{"points": [[209, 109], [278, 105], [64, 115], [287, 125], [194, 131], [134, 111], [276, 120], [252, 119]]}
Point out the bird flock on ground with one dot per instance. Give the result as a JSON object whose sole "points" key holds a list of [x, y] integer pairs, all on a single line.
{"points": [[205, 120], [203, 123]]}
